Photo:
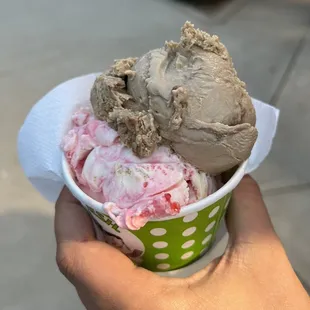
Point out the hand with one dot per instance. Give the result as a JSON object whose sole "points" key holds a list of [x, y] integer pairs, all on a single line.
{"points": [[253, 273]]}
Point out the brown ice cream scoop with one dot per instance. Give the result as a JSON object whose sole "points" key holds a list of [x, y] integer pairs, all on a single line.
{"points": [[186, 95]]}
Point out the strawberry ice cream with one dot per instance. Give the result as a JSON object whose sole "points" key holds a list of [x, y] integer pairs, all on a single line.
{"points": [[132, 190]]}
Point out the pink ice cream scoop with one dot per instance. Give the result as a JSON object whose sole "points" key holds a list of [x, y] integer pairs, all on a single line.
{"points": [[132, 190]]}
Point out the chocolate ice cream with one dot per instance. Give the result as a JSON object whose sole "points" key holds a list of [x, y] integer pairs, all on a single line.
{"points": [[186, 95]]}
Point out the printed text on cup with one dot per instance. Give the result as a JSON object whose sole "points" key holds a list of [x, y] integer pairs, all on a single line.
{"points": [[104, 218]]}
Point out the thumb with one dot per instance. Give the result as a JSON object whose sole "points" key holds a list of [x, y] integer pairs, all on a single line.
{"points": [[247, 219], [94, 267], [72, 222]]}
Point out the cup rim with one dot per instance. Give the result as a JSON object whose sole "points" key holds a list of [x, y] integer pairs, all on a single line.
{"points": [[185, 210]]}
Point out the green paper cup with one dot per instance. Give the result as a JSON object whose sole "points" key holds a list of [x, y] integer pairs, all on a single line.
{"points": [[165, 244]]}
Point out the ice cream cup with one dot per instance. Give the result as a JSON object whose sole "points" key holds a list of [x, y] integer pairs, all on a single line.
{"points": [[163, 244]]}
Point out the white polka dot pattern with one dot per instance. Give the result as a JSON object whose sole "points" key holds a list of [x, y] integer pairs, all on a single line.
{"points": [[189, 231], [162, 256], [160, 244], [210, 226], [204, 251], [214, 211], [158, 231], [207, 239], [163, 266], [190, 217], [188, 244], [187, 255]]}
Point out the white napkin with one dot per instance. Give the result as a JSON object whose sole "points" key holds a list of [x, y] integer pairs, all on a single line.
{"points": [[41, 134]]}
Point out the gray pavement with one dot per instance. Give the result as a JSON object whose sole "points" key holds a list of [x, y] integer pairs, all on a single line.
{"points": [[46, 42]]}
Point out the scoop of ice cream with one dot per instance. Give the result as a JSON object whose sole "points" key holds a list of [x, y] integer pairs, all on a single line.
{"points": [[186, 95], [132, 190]]}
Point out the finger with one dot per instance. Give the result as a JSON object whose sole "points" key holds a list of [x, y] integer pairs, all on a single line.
{"points": [[107, 279], [72, 222], [248, 220], [106, 273], [93, 266], [73, 228]]}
